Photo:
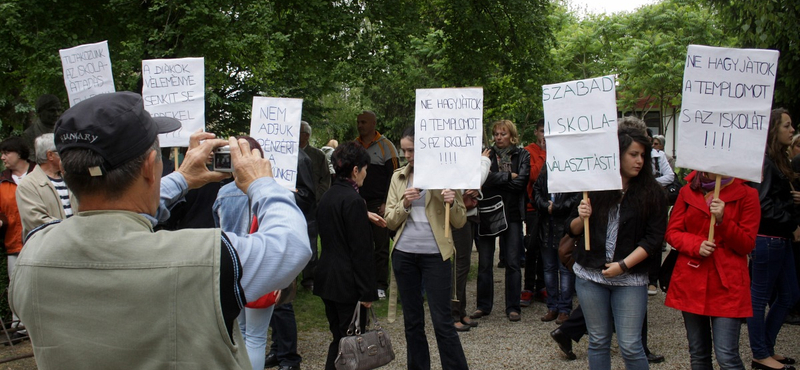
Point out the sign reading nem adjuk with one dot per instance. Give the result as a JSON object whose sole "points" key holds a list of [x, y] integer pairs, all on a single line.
{"points": [[447, 138], [175, 88], [275, 124], [87, 71], [581, 130], [724, 116]]}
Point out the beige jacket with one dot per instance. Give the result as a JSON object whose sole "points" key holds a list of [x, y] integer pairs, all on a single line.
{"points": [[434, 209], [38, 201]]}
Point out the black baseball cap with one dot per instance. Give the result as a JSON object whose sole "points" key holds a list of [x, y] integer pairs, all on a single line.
{"points": [[114, 125]]}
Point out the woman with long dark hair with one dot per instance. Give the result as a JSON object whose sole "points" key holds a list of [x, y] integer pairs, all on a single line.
{"points": [[772, 261], [624, 227], [345, 273], [710, 283]]}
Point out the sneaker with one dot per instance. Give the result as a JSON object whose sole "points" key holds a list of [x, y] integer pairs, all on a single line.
{"points": [[652, 290], [526, 298], [381, 294]]}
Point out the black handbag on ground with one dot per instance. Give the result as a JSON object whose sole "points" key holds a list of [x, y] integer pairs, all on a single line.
{"points": [[493, 216], [363, 351], [665, 273]]}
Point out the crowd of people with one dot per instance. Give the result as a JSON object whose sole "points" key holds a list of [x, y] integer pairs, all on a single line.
{"points": [[104, 233]]}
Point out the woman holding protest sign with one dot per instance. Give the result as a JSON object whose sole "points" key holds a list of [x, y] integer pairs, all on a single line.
{"points": [[420, 259], [772, 261], [508, 180], [624, 227], [710, 283]]}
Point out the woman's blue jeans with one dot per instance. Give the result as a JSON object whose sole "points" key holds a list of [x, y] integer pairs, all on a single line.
{"points": [[725, 330], [512, 240], [559, 281], [606, 307], [412, 271], [254, 324], [771, 270]]}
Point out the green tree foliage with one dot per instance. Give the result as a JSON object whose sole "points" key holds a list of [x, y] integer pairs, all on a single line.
{"points": [[250, 48], [769, 24], [646, 49], [499, 45]]}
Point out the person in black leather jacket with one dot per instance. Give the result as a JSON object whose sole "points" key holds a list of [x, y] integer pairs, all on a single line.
{"points": [[508, 178], [772, 261], [553, 210]]}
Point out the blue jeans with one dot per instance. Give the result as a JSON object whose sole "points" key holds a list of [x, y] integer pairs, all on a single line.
{"points": [[254, 324], [512, 240], [726, 341], [559, 293], [772, 270], [607, 307], [412, 271]]}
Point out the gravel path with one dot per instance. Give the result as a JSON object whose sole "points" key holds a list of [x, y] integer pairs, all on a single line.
{"points": [[500, 344]]}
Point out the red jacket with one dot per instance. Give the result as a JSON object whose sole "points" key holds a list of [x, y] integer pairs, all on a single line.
{"points": [[720, 286], [538, 157], [9, 212]]}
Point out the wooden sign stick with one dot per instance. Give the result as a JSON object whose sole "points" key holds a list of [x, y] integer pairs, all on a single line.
{"points": [[175, 154], [586, 224], [713, 218]]}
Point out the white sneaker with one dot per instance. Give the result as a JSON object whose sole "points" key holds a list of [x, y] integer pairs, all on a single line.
{"points": [[381, 294], [652, 290]]}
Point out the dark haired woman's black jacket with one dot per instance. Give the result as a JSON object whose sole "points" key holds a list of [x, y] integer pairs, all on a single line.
{"points": [[562, 207], [779, 215], [637, 227], [512, 190]]}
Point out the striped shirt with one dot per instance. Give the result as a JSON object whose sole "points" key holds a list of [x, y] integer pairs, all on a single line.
{"points": [[63, 195]]}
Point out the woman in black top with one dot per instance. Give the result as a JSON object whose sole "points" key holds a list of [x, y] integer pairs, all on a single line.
{"points": [[345, 273]]}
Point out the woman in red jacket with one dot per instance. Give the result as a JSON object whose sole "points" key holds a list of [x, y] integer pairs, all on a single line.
{"points": [[710, 283]]}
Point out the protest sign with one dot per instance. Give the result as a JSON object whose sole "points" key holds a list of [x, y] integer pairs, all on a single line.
{"points": [[448, 126], [275, 124], [87, 71], [175, 88], [724, 116], [581, 131]]}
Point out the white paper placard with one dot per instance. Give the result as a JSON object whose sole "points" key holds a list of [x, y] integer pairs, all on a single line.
{"points": [[175, 88], [724, 117], [87, 71], [581, 131], [448, 140], [275, 124]]}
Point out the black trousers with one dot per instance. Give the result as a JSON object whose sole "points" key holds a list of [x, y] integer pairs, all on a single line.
{"points": [[339, 316]]}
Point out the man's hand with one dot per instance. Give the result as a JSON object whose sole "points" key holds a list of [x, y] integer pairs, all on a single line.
{"points": [[248, 166], [194, 168]]}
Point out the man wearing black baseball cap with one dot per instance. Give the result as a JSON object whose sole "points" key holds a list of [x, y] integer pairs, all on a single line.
{"points": [[103, 290]]}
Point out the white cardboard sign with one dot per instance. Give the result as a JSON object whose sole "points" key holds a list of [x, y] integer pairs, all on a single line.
{"points": [[87, 71], [581, 131], [724, 117], [448, 140], [175, 88], [275, 124]]}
